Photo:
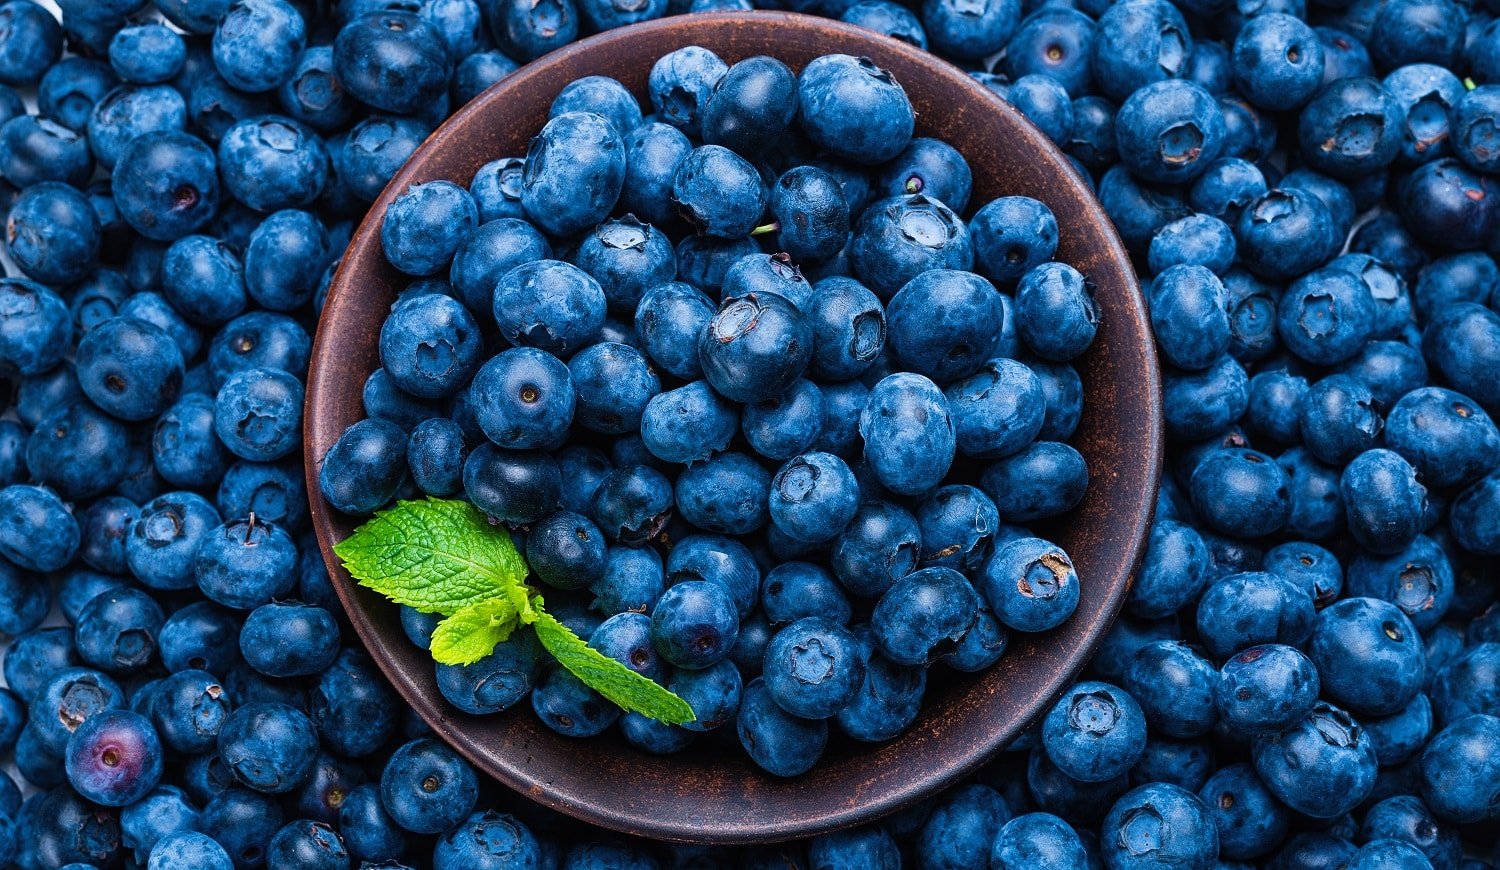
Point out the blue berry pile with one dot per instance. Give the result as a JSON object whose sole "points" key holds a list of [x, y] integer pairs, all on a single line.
{"points": [[1307, 672], [783, 495]]}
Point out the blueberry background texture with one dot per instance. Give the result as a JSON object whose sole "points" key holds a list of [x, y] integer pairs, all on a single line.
{"points": [[1306, 674]]}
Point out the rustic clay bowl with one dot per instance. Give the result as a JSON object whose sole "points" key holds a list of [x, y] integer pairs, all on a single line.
{"points": [[714, 795]]}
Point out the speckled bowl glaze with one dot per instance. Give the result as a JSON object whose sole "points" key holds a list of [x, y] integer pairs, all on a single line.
{"points": [[712, 794]]}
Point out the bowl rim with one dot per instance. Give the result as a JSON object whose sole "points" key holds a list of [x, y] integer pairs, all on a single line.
{"points": [[639, 818]]}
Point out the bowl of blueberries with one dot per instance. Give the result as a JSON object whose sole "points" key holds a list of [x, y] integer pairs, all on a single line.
{"points": [[733, 428]]}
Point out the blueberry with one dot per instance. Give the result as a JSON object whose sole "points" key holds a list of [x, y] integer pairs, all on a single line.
{"points": [[188, 849], [880, 545], [1454, 777], [273, 162], [778, 742], [900, 237], [243, 822], [784, 426], [496, 189], [813, 668], [117, 631], [811, 213], [1139, 42], [689, 424], [1321, 767], [750, 105], [289, 639], [114, 758], [755, 347], [1242, 492], [1444, 435], [487, 840], [569, 707], [813, 497], [1266, 688], [511, 486], [527, 30], [680, 83], [565, 551], [258, 414], [922, 614], [1043, 480], [601, 95], [1385, 504], [376, 147], [627, 258], [256, 43], [424, 226], [352, 707], [1037, 840], [854, 109], [1370, 657], [241, 564], [189, 710], [653, 152], [961, 826], [270, 747], [1175, 570], [1094, 732], [669, 319], [719, 192], [369, 832], [166, 185], [550, 305], [1472, 124], [362, 471], [1158, 824], [574, 172], [694, 624], [1174, 686], [37, 532], [1351, 128], [908, 433]]}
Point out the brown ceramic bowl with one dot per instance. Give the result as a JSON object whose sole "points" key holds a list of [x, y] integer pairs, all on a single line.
{"points": [[712, 795]]}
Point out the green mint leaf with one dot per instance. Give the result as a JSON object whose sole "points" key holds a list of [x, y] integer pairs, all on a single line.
{"points": [[436, 556], [472, 633], [607, 676]]}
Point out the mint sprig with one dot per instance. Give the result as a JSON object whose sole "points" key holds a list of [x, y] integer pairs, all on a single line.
{"points": [[443, 556]]}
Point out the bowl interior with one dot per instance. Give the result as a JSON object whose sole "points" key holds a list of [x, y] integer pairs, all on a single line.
{"points": [[712, 793]]}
